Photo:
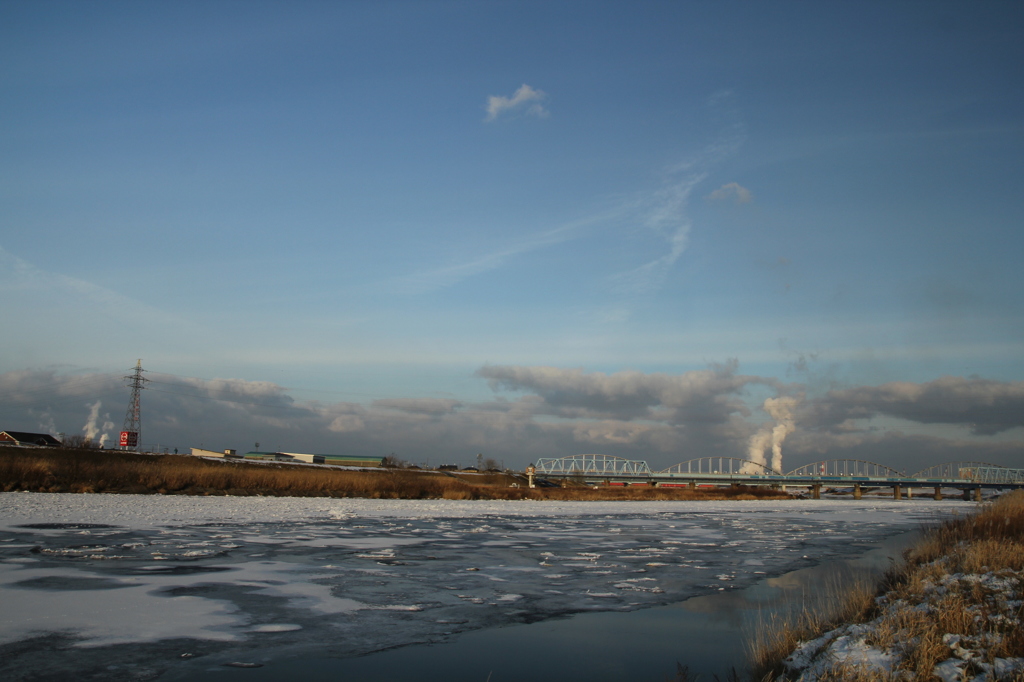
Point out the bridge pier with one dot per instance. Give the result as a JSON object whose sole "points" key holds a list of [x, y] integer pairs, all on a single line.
{"points": [[897, 492], [972, 493], [857, 493], [938, 493], [910, 493], [693, 485], [816, 491]]}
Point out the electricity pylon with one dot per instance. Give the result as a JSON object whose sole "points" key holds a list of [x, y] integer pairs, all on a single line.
{"points": [[131, 432]]}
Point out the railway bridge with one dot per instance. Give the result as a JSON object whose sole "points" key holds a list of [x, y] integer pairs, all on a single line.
{"points": [[968, 477]]}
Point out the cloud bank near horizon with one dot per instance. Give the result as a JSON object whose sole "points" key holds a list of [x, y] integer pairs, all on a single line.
{"points": [[542, 411]]}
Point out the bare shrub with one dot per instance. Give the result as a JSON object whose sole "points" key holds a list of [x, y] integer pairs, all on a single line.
{"points": [[79, 442]]}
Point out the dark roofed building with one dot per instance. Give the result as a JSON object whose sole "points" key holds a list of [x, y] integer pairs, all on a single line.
{"points": [[26, 438]]}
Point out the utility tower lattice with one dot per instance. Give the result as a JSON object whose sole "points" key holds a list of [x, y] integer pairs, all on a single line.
{"points": [[131, 432]]}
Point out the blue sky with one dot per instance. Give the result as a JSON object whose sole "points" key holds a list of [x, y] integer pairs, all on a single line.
{"points": [[343, 203]]}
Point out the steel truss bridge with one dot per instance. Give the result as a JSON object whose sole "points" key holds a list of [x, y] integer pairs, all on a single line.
{"points": [[969, 477]]}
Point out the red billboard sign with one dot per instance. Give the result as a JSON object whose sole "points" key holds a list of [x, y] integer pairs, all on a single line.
{"points": [[129, 439]]}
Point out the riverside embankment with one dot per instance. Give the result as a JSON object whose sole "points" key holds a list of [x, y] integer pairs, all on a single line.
{"points": [[953, 610], [59, 470]]}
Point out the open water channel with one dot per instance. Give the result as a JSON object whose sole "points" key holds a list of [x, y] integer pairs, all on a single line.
{"points": [[708, 634]]}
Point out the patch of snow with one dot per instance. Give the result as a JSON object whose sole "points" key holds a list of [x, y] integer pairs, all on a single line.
{"points": [[848, 644], [276, 627]]}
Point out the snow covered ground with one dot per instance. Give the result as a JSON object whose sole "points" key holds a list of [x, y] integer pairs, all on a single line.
{"points": [[994, 599], [151, 585]]}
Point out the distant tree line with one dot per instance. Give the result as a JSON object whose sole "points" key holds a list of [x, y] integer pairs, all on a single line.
{"points": [[393, 461], [80, 442]]}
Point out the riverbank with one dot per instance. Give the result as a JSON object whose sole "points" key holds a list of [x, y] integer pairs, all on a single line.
{"points": [[953, 610], [104, 471]]}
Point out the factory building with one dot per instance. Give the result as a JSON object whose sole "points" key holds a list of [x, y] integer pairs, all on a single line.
{"points": [[308, 458], [226, 454]]}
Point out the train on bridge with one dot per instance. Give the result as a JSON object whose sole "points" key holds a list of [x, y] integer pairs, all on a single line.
{"points": [[969, 477]]}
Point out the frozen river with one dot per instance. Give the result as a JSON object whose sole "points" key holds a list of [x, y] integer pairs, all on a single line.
{"points": [[147, 587]]}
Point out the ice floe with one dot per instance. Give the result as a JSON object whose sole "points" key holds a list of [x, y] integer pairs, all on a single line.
{"points": [[249, 574]]}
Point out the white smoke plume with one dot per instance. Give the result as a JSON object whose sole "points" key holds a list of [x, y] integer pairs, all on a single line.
{"points": [[91, 430], [781, 410], [755, 451], [46, 423], [107, 425]]}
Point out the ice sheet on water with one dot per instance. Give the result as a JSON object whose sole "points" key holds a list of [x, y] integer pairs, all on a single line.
{"points": [[360, 575], [39, 602], [276, 627]]}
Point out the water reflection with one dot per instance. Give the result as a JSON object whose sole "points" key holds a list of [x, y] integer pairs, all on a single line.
{"points": [[708, 634]]}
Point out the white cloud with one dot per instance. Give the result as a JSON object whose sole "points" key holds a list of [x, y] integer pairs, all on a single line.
{"points": [[344, 423], [440, 278], [664, 211], [662, 418], [429, 406], [708, 396], [661, 210], [987, 407], [526, 100], [61, 294], [109, 326], [732, 191]]}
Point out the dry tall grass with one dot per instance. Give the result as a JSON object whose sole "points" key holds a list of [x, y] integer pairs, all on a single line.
{"points": [[96, 471], [844, 599], [990, 541], [88, 471]]}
